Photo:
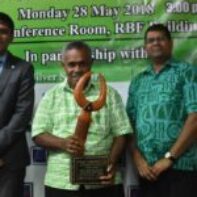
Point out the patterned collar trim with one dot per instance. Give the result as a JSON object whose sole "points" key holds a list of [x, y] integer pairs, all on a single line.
{"points": [[171, 62]]}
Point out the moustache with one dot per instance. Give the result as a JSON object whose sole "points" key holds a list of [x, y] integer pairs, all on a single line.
{"points": [[76, 75]]}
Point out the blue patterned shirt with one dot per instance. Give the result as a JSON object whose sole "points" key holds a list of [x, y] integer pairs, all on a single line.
{"points": [[158, 106]]}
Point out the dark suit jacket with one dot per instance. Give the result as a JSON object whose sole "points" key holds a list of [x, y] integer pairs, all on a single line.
{"points": [[16, 106]]}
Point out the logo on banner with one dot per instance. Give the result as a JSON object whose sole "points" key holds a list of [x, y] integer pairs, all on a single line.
{"points": [[38, 155], [28, 190]]}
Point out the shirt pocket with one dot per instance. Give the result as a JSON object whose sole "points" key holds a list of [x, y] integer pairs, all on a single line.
{"points": [[100, 122]]}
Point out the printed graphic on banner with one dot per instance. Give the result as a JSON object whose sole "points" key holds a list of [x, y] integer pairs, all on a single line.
{"points": [[28, 189], [38, 155]]}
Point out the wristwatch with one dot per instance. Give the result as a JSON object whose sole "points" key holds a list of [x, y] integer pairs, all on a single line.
{"points": [[170, 156]]}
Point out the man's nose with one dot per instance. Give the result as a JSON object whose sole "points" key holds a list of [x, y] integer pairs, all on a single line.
{"points": [[156, 41], [77, 67]]}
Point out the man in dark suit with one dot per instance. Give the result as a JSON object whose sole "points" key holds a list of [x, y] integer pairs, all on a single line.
{"points": [[16, 106]]}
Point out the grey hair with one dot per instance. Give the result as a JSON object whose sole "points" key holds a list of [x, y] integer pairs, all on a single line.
{"points": [[77, 45]]}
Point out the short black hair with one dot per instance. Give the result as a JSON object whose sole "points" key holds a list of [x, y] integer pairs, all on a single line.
{"points": [[158, 27], [79, 45], [7, 20]]}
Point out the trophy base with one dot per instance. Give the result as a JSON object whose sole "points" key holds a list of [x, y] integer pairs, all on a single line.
{"points": [[86, 170]]}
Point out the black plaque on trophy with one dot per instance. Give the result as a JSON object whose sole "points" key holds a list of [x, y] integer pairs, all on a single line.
{"points": [[87, 169]]}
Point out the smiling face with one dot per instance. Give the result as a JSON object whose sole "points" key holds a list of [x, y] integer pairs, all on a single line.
{"points": [[76, 62], [5, 37], [158, 46]]}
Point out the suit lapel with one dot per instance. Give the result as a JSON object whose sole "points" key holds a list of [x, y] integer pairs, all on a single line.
{"points": [[6, 72]]}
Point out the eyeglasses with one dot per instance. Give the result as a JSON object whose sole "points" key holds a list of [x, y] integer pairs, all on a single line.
{"points": [[157, 39], [4, 31]]}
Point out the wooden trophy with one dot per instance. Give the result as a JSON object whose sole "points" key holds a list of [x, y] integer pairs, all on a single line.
{"points": [[86, 169]]}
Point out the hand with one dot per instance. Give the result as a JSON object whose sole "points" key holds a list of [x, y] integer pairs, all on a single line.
{"points": [[73, 145], [108, 179], [161, 165], [144, 169]]}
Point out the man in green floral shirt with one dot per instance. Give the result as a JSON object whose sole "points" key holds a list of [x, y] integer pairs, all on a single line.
{"points": [[54, 125], [162, 106]]}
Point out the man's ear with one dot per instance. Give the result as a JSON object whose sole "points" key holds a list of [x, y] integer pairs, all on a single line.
{"points": [[172, 43], [144, 46], [91, 61], [62, 63], [11, 38]]}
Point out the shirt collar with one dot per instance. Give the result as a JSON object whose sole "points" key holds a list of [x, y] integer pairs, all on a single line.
{"points": [[169, 63], [3, 58]]}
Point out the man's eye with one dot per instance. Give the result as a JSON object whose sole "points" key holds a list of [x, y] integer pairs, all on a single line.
{"points": [[81, 63], [71, 65], [4, 31]]}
